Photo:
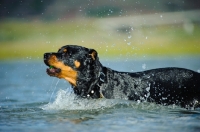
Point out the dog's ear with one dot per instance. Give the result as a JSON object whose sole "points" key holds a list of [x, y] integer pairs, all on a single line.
{"points": [[93, 54]]}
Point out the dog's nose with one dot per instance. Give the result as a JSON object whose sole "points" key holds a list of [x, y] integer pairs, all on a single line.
{"points": [[46, 58], [47, 55]]}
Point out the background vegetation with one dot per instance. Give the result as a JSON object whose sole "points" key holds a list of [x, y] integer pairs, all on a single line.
{"points": [[30, 28], [20, 39]]}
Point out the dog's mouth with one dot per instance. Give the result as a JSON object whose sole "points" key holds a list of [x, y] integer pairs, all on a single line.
{"points": [[57, 68], [53, 71]]}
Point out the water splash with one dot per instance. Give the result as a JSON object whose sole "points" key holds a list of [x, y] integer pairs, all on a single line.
{"points": [[67, 100]]}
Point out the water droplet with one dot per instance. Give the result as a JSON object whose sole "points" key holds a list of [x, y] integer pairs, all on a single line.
{"points": [[129, 43], [147, 89], [161, 16], [129, 36], [146, 37], [144, 66]]}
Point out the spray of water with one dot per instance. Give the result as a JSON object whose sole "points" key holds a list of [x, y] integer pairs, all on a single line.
{"points": [[67, 100], [53, 90]]}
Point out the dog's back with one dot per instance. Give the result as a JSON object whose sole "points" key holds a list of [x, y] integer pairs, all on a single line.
{"points": [[164, 86]]}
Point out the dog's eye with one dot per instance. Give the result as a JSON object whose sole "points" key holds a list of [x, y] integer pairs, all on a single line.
{"points": [[67, 54]]}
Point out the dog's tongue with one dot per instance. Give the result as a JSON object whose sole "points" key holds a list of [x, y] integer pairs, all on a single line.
{"points": [[54, 70]]}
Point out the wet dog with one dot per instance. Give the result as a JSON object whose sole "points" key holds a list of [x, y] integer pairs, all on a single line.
{"points": [[81, 67]]}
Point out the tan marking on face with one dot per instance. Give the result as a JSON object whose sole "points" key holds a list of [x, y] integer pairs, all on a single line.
{"points": [[93, 55], [77, 64], [66, 73], [65, 50]]}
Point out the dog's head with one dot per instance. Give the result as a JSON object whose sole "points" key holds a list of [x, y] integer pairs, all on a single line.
{"points": [[78, 65]]}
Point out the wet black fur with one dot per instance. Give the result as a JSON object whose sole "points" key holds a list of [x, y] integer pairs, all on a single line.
{"points": [[165, 86]]}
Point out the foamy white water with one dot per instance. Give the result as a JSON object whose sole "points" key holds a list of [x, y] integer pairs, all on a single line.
{"points": [[67, 100]]}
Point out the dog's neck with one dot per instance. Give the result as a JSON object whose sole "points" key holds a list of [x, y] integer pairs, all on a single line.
{"points": [[94, 89]]}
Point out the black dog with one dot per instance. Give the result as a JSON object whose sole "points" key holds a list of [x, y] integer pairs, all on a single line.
{"points": [[81, 67]]}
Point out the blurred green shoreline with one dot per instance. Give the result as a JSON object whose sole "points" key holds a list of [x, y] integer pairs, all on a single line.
{"points": [[20, 39]]}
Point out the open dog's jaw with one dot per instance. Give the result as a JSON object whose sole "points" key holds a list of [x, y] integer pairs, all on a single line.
{"points": [[60, 70]]}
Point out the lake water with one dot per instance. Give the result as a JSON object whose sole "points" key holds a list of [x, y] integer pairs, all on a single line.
{"points": [[30, 100]]}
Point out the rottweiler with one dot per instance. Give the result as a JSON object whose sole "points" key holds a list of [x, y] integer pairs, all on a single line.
{"points": [[81, 67]]}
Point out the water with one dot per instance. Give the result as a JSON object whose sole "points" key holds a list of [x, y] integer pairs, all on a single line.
{"points": [[30, 100]]}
